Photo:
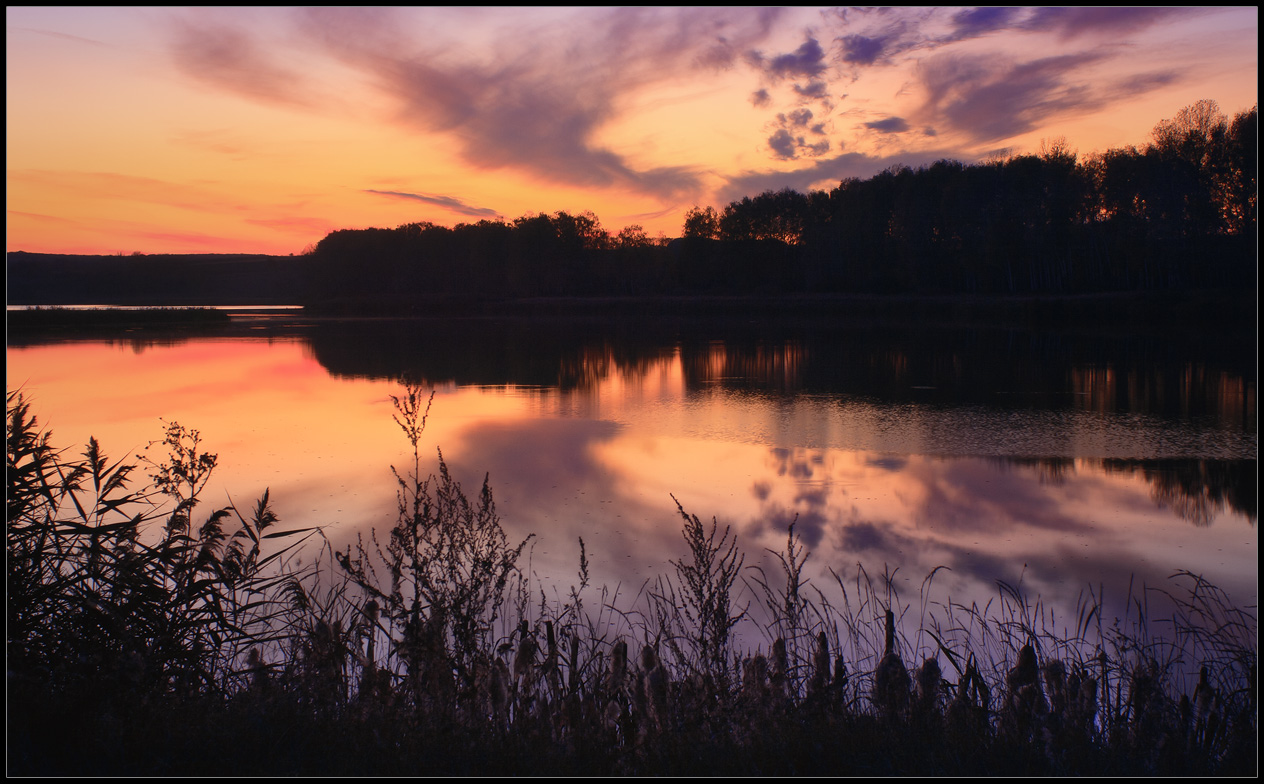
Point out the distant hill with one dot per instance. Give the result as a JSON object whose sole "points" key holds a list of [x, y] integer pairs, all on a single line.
{"points": [[157, 279]]}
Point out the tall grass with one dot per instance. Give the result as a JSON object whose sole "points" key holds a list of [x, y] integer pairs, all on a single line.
{"points": [[142, 635]]}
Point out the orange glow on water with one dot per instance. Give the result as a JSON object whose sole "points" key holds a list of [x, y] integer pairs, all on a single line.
{"points": [[604, 461]]}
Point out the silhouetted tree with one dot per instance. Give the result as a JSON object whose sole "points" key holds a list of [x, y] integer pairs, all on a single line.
{"points": [[701, 223]]}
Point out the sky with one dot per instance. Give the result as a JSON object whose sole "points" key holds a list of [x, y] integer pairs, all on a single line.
{"points": [[260, 130]]}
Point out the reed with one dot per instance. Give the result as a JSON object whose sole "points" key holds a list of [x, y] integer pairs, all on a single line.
{"points": [[142, 634]]}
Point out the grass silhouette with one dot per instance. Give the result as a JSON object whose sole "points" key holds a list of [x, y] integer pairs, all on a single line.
{"points": [[144, 642]]}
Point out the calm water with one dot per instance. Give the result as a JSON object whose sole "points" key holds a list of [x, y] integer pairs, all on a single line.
{"points": [[1054, 461]]}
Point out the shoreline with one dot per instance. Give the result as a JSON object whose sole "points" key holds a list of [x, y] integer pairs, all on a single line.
{"points": [[1168, 310]]}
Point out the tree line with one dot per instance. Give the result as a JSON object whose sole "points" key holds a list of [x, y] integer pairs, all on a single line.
{"points": [[1176, 214]]}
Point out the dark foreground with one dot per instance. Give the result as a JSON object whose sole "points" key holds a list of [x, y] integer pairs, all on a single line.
{"points": [[150, 636]]}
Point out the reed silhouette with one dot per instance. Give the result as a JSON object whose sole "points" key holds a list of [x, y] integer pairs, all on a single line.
{"points": [[141, 642]]}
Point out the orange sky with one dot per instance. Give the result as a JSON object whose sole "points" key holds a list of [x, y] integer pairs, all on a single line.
{"points": [[261, 130]]}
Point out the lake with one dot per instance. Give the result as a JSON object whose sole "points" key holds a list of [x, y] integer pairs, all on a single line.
{"points": [[1052, 461]]}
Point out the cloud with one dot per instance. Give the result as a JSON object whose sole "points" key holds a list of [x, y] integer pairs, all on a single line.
{"points": [[63, 36], [230, 58], [190, 239], [889, 125], [447, 202], [125, 187], [826, 172], [862, 50], [36, 216], [799, 117], [536, 103], [875, 538], [760, 98], [782, 144], [991, 100], [304, 226], [974, 22], [1144, 83], [787, 147], [808, 60], [1072, 22], [814, 90]]}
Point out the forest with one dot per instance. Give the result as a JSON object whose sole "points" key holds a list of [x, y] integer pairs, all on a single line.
{"points": [[1179, 213]]}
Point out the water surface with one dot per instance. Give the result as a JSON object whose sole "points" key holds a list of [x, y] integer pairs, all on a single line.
{"points": [[1050, 461]]}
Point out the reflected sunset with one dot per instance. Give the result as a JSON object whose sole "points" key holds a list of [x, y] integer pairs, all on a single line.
{"points": [[722, 429], [632, 391]]}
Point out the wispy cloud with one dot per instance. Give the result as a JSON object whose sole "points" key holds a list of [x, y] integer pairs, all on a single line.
{"points": [[973, 22], [535, 105], [1073, 22], [825, 172], [447, 202], [64, 36], [988, 99], [232, 59], [126, 187], [888, 125], [304, 226], [806, 61], [35, 216]]}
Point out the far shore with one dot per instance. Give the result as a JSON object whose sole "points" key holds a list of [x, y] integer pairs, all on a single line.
{"points": [[1145, 311]]}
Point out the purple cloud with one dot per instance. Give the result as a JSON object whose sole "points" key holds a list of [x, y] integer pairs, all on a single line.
{"points": [[798, 117], [991, 100], [808, 60], [536, 105], [814, 90], [861, 50], [447, 202], [828, 171], [974, 22], [782, 144], [231, 59], [1072, 22], [889, 125]]}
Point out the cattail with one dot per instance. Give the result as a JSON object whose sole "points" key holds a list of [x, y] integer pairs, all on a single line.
{"points": [[1026, 703], [572, 679], [524, 660], [369, 673], [968, 712], [550, 667], [499, 689], [1206, 708], [779, 675], [257, 669], [755, 678], [820, 666], [929, 676], [653, 691], [891, 680], [1056, 687], [618, 666], [840, 677]]}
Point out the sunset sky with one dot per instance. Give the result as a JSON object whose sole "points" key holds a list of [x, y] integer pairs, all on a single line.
{"points": [[260, 130]]}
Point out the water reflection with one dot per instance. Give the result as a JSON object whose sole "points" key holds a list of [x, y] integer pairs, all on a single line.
{"points": [[994, 369], [1054, 462]]}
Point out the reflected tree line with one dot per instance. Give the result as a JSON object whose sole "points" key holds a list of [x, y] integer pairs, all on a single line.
{"points": [[1178, 213], [998, 369], [1195, 490], [995, 369]]}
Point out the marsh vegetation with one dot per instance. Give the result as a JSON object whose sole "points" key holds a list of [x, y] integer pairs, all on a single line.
{"points": [[151, 635]]}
